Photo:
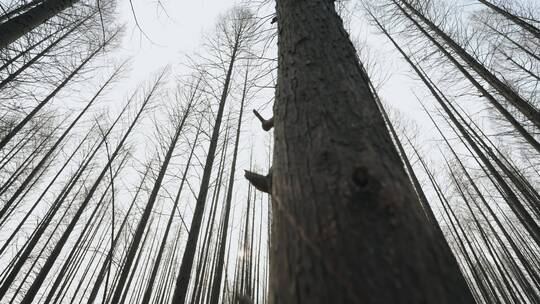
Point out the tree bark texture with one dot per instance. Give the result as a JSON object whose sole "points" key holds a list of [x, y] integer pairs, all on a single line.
{"points": [[347, 226], [18, 26]]}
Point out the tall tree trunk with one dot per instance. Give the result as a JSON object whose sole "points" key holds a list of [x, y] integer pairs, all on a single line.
{"points": [[182, 281], [157, 262], [142, 225], [106, 265], [204, 249], [7, 242], [44, 271], [18, 26], [57, 143], [347, 225], [222, 244], [493, 101]]}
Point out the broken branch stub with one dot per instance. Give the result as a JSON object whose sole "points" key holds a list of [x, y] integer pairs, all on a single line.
{"points": [[260, 182], [267, 124]]}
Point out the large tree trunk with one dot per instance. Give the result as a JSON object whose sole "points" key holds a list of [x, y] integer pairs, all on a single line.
{"points": [[16, 27], [347, 225]]}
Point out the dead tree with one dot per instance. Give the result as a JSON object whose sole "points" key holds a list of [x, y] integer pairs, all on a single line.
{"points": [[38, 281], [218, 272], [347, 226], [238, 28], [141, 227]]}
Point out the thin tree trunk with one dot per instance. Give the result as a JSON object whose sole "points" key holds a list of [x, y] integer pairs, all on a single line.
{"points": [[207, 240], [45, 52], [48, 154], [182, 282], [150, 204], [218, 273], [39, 199], [494, 102], [40, 277]]}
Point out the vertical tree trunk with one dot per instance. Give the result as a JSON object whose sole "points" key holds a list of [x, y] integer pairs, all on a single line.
{"points": [[157, 262], [16, 27], [141, 227], [182, 281], [347, 225], [110, 254], [222, 244]]}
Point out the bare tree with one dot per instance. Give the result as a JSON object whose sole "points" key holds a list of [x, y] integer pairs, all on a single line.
{"points": [[344, 209], [234, 32]]}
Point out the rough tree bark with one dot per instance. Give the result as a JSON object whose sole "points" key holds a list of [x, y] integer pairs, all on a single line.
{"points": [[347, 226]]}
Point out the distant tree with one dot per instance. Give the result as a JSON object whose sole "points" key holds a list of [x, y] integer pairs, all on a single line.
{"points": [[234, 32]]}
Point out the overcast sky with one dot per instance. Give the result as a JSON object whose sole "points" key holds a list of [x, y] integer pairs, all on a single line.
{"points": [[175, 28]]}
